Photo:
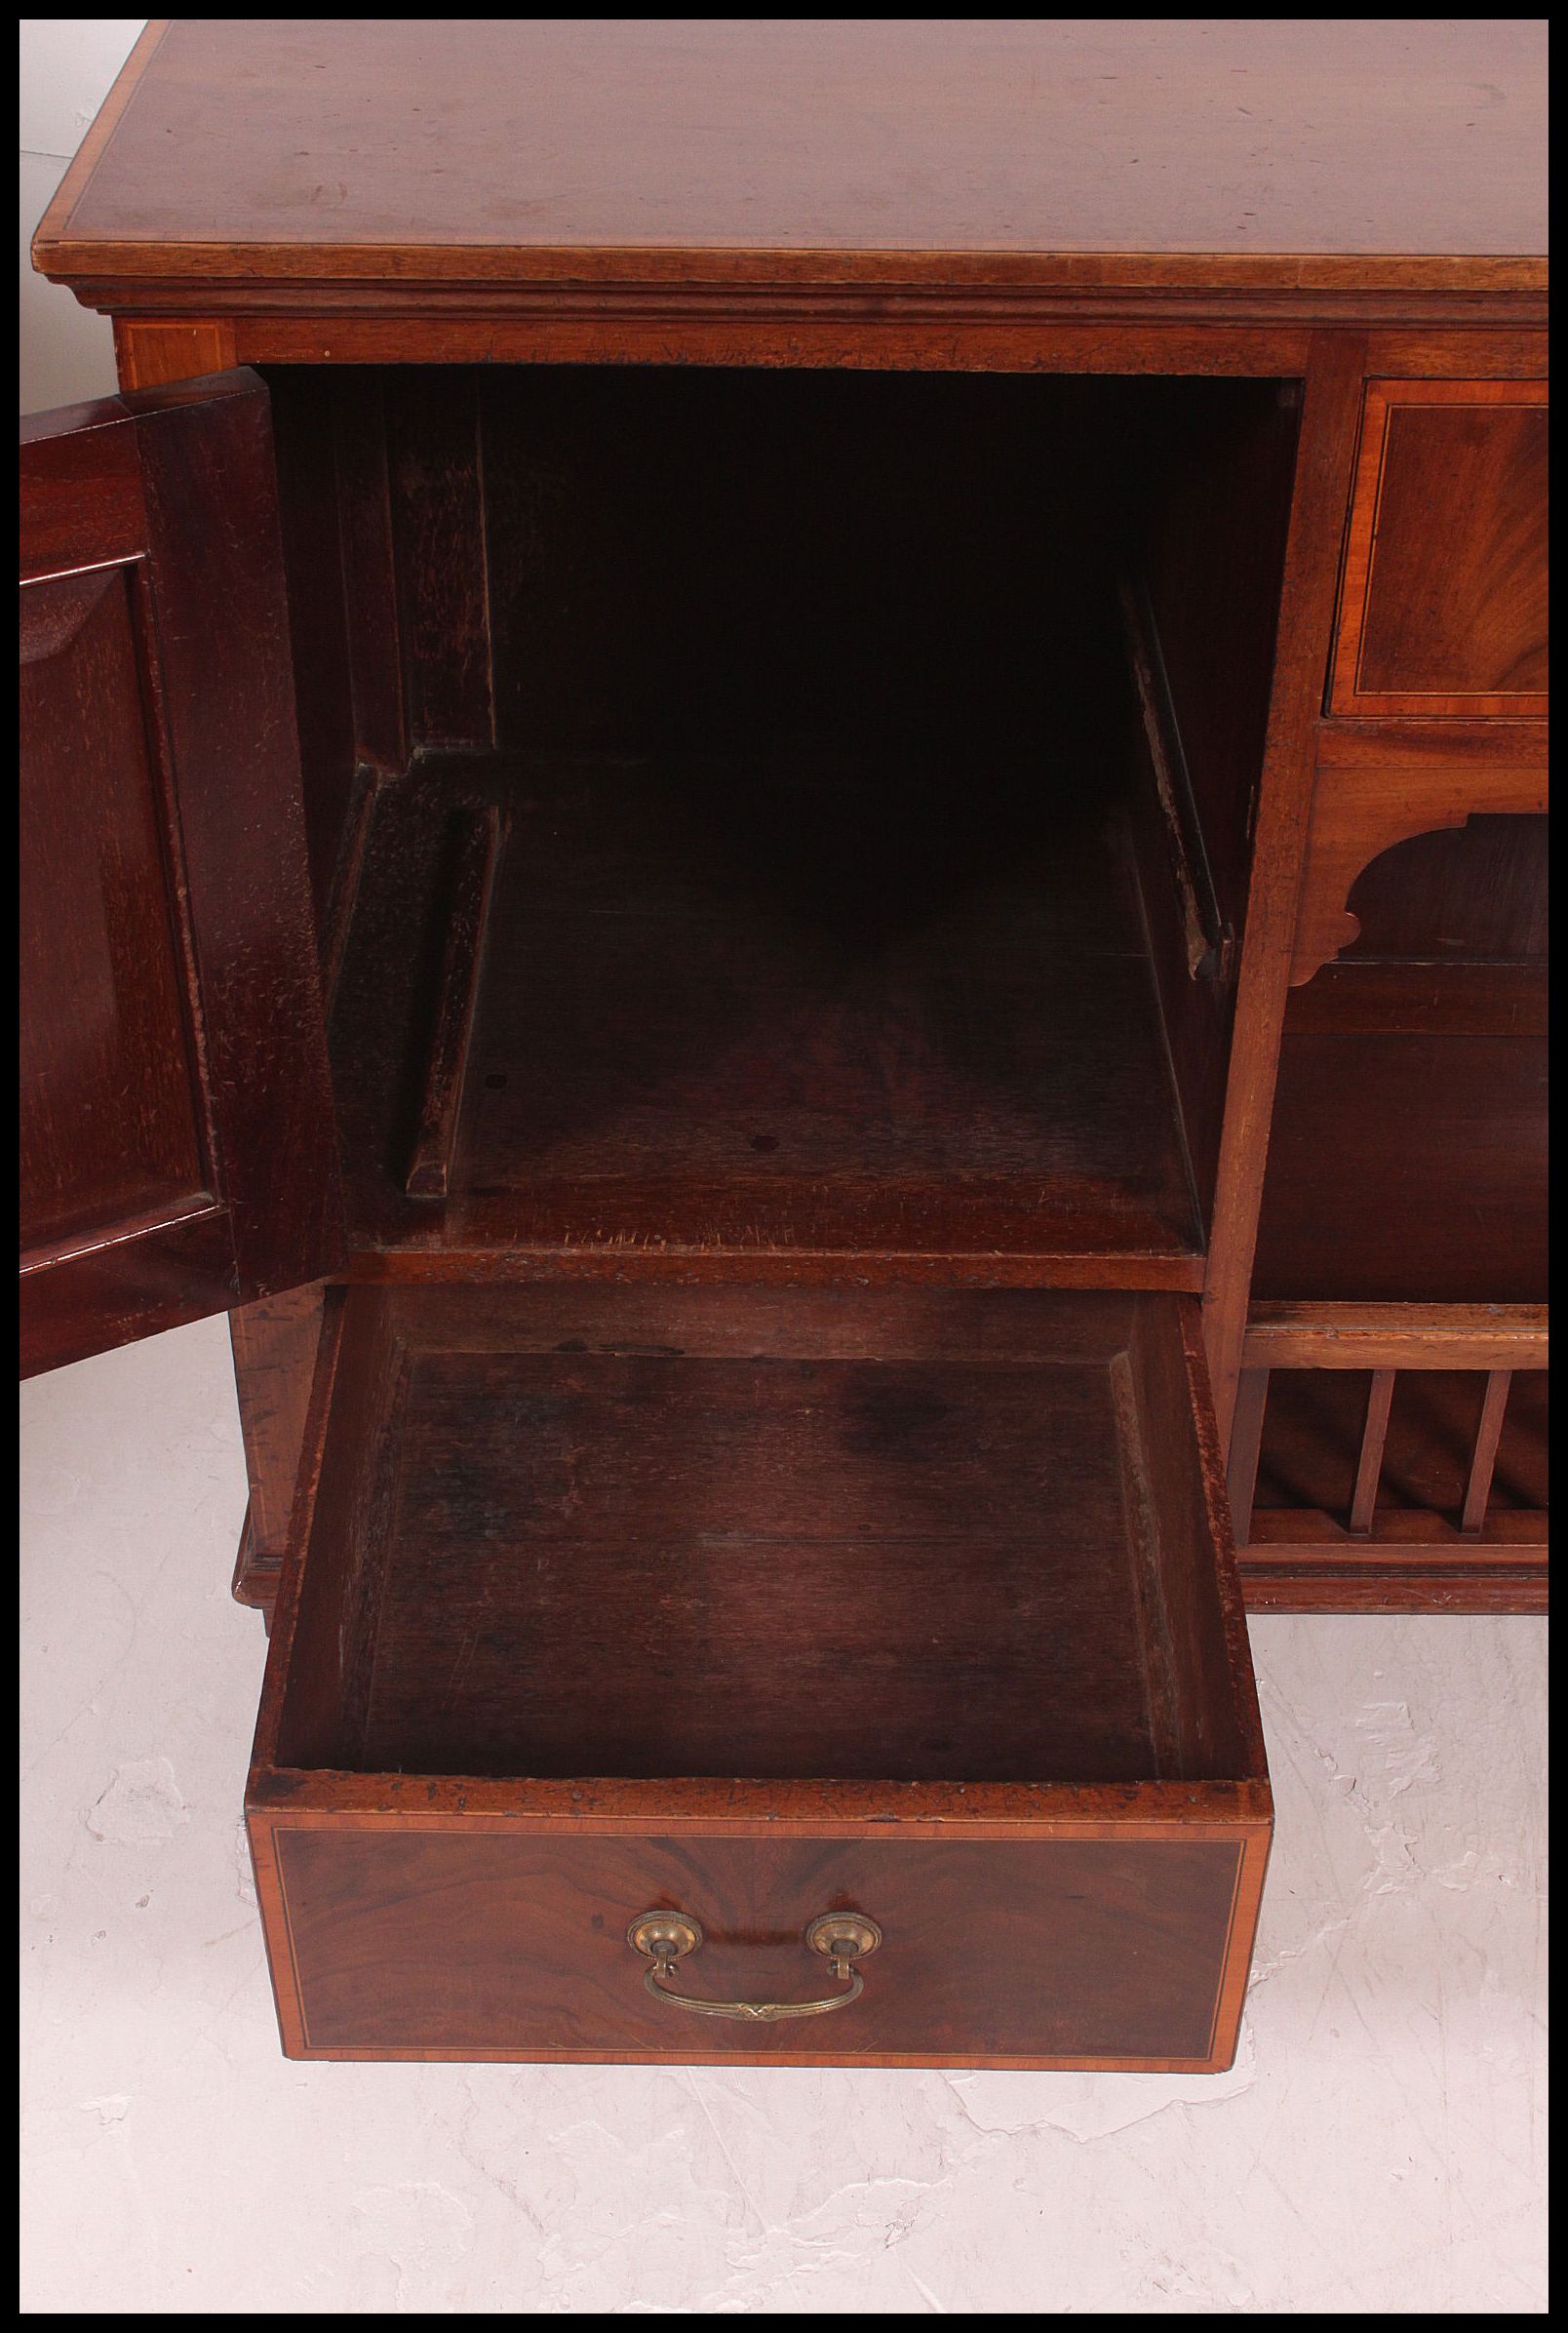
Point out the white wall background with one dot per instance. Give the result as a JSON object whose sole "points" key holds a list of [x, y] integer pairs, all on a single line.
{"points": [[1378, 2147], [67, 66]]}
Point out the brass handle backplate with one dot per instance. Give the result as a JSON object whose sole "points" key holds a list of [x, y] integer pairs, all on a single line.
{"points": [[843, 1937]]}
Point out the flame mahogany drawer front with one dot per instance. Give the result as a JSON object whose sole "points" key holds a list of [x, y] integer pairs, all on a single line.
{"points": [[1443, 604], [877, 1650]]}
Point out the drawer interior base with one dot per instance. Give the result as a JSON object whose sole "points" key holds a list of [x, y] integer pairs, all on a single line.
{"points": [[908, 1537]]}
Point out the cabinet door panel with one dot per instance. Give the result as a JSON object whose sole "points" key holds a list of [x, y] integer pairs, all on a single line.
{"points": [[101, 980], [177, 1154]]}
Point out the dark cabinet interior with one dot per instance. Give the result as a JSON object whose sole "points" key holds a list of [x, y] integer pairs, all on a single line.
{"points": [[744, 814]]}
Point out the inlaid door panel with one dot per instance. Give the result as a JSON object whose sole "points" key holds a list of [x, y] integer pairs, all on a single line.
{"points": [[177, 1147], [101, 977]]}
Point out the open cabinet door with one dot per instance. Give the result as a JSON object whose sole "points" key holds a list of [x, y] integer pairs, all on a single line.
{"points": [[178, 1150]]}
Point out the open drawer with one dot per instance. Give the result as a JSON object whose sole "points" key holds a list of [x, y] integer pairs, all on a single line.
{"points": [[912, 1609]]}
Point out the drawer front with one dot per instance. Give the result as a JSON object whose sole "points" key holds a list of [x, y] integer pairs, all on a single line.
{"points": [[1443, 606], [460, 1938]]}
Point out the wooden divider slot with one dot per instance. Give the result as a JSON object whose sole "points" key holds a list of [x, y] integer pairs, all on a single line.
{"points": [[1485, 1551], [473, 884]]}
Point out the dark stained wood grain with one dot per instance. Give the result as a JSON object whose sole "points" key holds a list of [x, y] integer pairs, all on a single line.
{"points": [[1401, 1337], [772, 1008], [178, 1147], [1454, 1520], [341, 1483], [1369, 1464], [355, 411], [632, 415], [647, 1565], [1452, 936], [1187, 152], [1471, 896], [686, 518], [1205, 561], [1246, 1437], [1359, 814], [1319, 495], [227, 691], [1181, 874], [1440, 1003], [1455, 1449], [1465, 997], [1483, 1461], [454, 1945], [1313, 1430], [275, 1349], [1044, 333], [1394, 1573], [735, 1807], [253, 1581], [465, 914], [1212, 535], [142, 1275], [1215, 1706], [309, 504], [1493, 353], [81, 500], [841, 1497], [1404, 1168], [101, 957], [673, 1487], [1443, 608], [1413, 1095], [439, 548]]}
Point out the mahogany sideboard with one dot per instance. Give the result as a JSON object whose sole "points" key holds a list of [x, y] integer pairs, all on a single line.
{"points": [[783, 792]]}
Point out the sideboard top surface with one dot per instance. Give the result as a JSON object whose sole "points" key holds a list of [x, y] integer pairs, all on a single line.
{"points": [[1225, 153]]}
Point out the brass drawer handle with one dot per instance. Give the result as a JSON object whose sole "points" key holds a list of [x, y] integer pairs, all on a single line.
{"points": [[841, 1937]]}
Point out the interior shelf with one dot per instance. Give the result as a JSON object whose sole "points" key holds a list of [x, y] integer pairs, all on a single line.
{"points": [[758, 1008], [1408, 1153], [1408, 1167]]}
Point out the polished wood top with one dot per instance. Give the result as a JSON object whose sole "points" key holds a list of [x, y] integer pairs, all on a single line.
{"points": [[1113, 152]]}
